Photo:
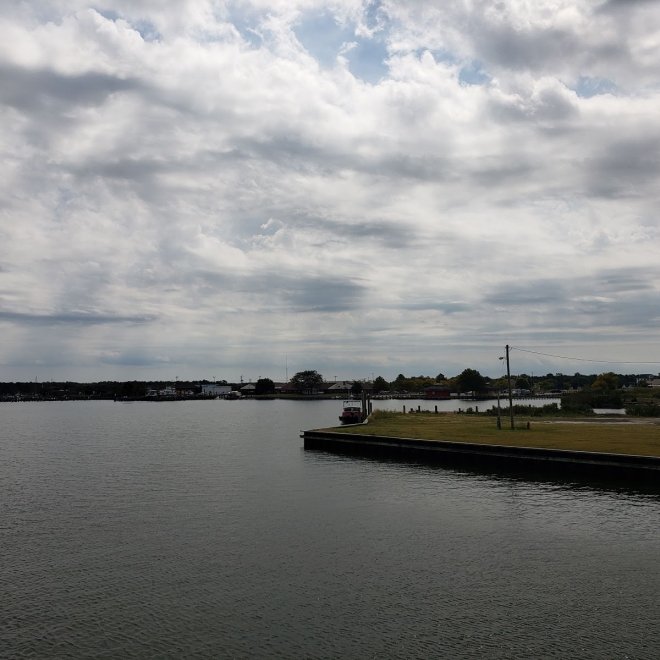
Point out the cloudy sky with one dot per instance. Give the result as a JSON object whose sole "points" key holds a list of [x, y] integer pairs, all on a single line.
{"points": [[209, 189]]}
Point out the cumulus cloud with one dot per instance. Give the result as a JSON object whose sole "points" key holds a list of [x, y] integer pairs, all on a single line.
{"points": [[362, 185]]}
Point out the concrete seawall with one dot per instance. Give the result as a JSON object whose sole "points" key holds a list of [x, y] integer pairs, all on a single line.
{"points": [[557, 461]]}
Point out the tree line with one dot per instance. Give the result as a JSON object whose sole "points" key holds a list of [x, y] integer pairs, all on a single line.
{"points": [[311, 381], [470, 380]]}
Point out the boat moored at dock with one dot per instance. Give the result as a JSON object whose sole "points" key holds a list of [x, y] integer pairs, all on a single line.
{"points": [[352, 413]]}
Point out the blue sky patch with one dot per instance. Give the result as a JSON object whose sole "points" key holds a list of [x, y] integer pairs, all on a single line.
{"points": [[324, 39], [245, 23], [587, 87], [473, 74], [145, 28], [368, 60], [110, 14]]}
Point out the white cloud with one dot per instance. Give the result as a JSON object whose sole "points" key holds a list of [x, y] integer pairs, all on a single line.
{"points": [[190, 182]]}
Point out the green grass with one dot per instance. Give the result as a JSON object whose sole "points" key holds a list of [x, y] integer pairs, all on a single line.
{"points": [[641, 437]]}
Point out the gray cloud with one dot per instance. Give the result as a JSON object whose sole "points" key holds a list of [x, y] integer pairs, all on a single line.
{"points": [[318, 294], [498, 174], [388, 234], [559, 290], [43, 90], [601, 305], [295, 153], [135, 359], [617, 5], [80, 319], [123, 168], [446, 307], [526, 48], [625, 167], [297, 293], [623, 280]]}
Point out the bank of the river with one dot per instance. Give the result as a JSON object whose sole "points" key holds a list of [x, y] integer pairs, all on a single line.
{"points": [[609, 435], [603, 445]]}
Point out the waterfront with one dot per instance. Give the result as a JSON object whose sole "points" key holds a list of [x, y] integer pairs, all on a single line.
{"points": [[202, 529]]}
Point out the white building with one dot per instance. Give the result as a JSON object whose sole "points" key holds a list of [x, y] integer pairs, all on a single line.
{"points": [[213, 389]]}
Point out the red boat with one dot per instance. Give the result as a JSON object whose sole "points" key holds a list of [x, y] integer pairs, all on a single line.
{"points": [[352, 413]]}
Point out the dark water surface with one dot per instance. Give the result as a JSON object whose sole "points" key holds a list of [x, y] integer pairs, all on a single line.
{"points": [[202, 529]]}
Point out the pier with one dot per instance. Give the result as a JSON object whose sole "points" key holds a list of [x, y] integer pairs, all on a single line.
{"points": [[557, 461]]}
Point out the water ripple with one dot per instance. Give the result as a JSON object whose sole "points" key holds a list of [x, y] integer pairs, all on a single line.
{"points": [[202, 530]]}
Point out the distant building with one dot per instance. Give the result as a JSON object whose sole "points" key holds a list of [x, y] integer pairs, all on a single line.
{"points": [[520, 392], [248, 390], [340, 387], [286, 388], [213, 389], [344, 387], [437, 392], [185, 391]]}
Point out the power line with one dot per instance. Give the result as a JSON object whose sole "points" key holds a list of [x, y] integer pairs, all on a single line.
{"points": [[577, 359]]}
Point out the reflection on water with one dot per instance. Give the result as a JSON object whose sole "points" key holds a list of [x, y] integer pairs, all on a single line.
{"points": [[624, 486], [202, 529], [609, 411]]}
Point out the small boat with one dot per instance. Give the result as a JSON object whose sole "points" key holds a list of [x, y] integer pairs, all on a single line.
{"points": [[352, 413]]}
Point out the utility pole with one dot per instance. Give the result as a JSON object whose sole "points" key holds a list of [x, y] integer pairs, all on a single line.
{"points": [[508, 378]]}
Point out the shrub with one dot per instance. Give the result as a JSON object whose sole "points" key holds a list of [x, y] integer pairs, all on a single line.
{"points": [[644, 410], [527, 410], [384, 414], [585, 402]]}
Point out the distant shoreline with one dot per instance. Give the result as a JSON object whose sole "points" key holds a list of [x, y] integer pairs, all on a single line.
{"points": [[262, 397]]}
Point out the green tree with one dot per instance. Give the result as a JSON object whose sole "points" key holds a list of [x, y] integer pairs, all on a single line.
{"points": [[579, 380], [307, 382], [500, 383], [412, 384], [418, 383], [399, 383], [470, 380], [356, 388], [522, 383], [132, 389], [440, 378], [380, 385], [608, 381], [264, 386]]}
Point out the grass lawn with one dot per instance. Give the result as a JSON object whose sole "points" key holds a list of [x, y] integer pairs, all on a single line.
{"points": [[640, 436]]}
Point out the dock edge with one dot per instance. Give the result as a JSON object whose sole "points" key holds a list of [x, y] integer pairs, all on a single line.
{"points": [[451, 452]]}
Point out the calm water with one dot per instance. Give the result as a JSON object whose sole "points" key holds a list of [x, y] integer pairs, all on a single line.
{"points": [[202, 529]]}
